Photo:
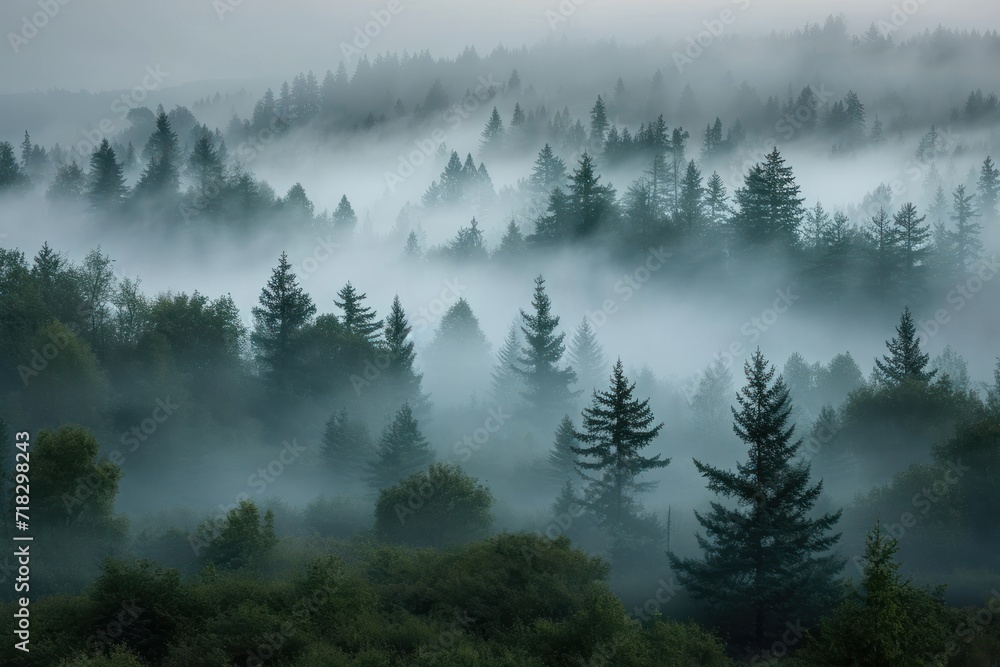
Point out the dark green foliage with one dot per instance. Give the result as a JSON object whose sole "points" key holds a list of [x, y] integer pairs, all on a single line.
{"points": [[402, 451], [400, 382], [549, 172], [240, 540], [279, 324], [905, 360], [769, 207], [547, 383], [106, 181], [161, 177], [357, 319], [766, 559], [885, 621], [616, 428], [439, 508], [69, 185], [592, 204], [347, 447]]}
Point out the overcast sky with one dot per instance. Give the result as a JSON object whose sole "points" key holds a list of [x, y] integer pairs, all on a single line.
{"points": [[106, 44]]}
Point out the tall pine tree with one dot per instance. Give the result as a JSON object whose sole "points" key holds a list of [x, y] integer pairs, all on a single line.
{"points": [[905, 361], [547, 384], [764, 558]]}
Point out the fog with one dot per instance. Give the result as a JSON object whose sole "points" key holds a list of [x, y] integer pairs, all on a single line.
{"points": [[337, 151]]}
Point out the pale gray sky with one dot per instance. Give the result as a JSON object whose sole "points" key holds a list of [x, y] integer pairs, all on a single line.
{"points": [[106, 44]]}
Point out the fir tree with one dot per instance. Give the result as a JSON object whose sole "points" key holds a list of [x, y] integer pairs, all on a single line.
{"points": [[913, 236], [453, 180], [69, 184], [205, 167], [549, 172], [770, 209], [710, 402], [764, 560], [345, 220], [883, 243], [590, 202], [989, 190], [357, 319], [105, 182], [586, 357], [493, 134], [690, 211], [468, 243], [562, 459], [616, 428], [507, 383], [547, 383], [598, 123], [346, 446], [905, 361], [717, 209], [968, 242], [160, 178], [557, 223], [402, 379], [512, 244], [11, 175], [402, 451], [279, 322]]}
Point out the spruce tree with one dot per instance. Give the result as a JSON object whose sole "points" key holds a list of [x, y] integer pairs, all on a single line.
{"points": [[11, 175], [358, 320], [279, 323], [989, 190], [586, 357], [347, 447], [345, 220], [690, 211], [547, 384], [913, 236], [105, 182], [493, 134], [590, 202], [615, 430], [402, 451], [764, 560], [711, 400], [562, 459], [512, 244], [769, 207], [883, 245], [161, 177], [717, 209], [402, 383], [507, 383], [69, 184], [549, 172], [967, 235], [905, 361], [598, 123], [453, 181], [557, 223]]}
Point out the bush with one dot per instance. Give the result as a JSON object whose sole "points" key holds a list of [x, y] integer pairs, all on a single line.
{"points": [[439, 508]]}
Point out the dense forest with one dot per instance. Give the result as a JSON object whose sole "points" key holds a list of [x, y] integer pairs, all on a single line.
{"points": [[455, 398]]}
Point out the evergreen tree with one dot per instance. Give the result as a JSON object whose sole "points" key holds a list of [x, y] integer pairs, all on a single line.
{"points": [[690, 212], [598, 123], [549, 172], [989, 190], [507, 382], [968, 242], [816, 222], [855, 116], [562, 459], [453, 180], [905, 361], [205, 166], [616, 428], [402, 451], [345, 220], [557, 223], [161, 177], [402, 379], [711, 400], [764, 560], [886, 621], [279, 322], [883, 243], [347, 447], [468, 243], [586, 357], [512, 244], [493, 134], [357, 319], [913, 236], [106, 182], [590, 202], [717, 209], [676, 147], [69, 184], [547, 384], [11, 175], [770, 209]]}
